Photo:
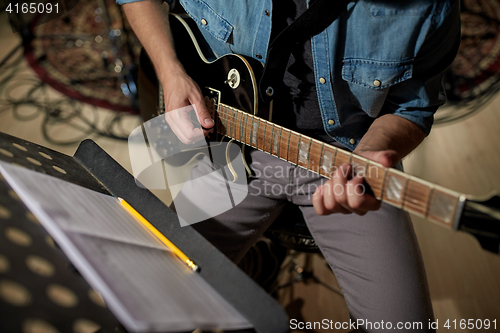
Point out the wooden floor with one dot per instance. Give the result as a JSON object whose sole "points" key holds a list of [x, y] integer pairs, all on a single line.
{"points": [[464, 156]]}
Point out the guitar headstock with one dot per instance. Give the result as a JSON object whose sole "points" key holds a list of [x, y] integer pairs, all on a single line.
{"points": [[481, 219]]}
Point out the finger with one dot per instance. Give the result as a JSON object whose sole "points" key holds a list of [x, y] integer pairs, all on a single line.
{"points": [[202, 113], [317, 201], [357, 199], [327, 203], [340, 178], [182, 126]]}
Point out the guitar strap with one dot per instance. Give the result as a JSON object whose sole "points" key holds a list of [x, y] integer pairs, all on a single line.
{"points": [[319, 15]]}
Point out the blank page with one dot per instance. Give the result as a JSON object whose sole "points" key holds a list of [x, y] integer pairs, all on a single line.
{"points": [[146, 286]]}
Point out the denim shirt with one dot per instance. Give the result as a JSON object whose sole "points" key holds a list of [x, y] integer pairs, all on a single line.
{"points": [[379, 57]]}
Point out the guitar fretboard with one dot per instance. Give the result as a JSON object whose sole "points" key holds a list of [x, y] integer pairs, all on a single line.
{"points": [[389, 185]]}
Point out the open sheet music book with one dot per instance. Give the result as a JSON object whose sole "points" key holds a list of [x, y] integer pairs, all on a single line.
{"points": [[146, 286]]}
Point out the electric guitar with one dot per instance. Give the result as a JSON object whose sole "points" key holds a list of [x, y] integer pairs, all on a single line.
{"points": [[230, 88]]}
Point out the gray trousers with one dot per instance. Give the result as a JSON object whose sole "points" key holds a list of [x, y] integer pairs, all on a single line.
{"points": [[375, 258]]}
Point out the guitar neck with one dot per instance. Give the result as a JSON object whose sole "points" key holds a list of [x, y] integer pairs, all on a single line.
{"points": [[394, 187]]}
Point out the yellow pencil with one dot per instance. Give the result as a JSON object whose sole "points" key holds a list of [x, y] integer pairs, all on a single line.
{"points": [[159, 235]]}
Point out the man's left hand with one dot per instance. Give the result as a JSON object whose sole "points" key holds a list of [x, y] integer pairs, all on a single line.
{"points": [[345, 192]]}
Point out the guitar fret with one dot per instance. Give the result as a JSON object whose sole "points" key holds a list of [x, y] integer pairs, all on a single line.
{"points": [[328, 164], [240, 128], [313, 156], [247, 132], [395, 187], [272, 140], [341, 157], [293, 147], [246, 128], [239, 121], [443, 206], [288, 144], [231, 120], [303, 152], [235, 122], [255, 127], [283, 150], [429, 198], [224, 118], [358, 165], [374, 178], [233, 117], [277, 142], [320, 158], [308, 153], [320, 167], [298, 150], [255, 131], [278, 138], [417, 196], [260, 135], [264, 137], [229, 124], [405, 192]]}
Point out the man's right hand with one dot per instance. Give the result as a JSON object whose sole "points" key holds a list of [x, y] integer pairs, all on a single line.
{"points": [[181, 91], [150, 22]]}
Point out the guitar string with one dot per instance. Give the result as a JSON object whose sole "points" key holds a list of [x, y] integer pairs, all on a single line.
{"points": [[242, 137], [227, 116], [230, 117], [242, 130]]}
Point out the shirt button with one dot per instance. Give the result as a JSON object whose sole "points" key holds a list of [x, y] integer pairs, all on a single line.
{"points": [[204, 22], [266, 12], [258, 56], [322, 80], [331, 122], [377, 83], [352, 141]]}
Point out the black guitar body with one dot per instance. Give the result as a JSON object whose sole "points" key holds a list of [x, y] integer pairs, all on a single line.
{"points": [[230, 80], [233, 77]]}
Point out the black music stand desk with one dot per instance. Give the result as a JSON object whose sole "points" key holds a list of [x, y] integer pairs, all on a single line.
{"points": [[38, 285]]}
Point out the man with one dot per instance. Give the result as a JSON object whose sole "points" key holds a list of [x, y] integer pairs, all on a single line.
{"points": [[369, 83]]}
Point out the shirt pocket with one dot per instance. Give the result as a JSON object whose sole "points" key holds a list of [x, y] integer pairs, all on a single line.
{"points": [[398, 8], [216, 30], [369, 81]]}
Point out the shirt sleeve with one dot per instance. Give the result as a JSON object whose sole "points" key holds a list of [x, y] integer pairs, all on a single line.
{"points": [[418, 98]]}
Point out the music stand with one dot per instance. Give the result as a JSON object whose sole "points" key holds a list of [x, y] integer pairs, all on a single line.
{"points": [[35, 301]]}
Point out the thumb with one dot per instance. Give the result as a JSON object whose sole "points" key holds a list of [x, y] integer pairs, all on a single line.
{"points": [[388, 158], [203, 115]]}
